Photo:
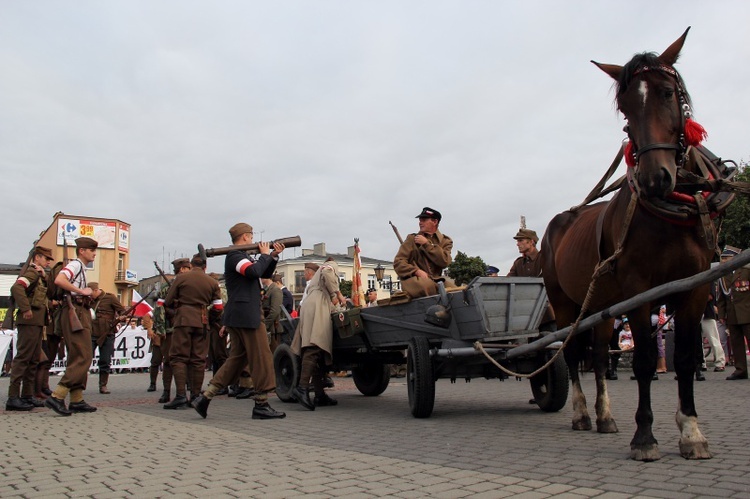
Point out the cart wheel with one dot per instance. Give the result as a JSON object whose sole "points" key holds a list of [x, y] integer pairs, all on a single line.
{"points": [[371, 378], [550, 388], [419, 378], [286, 365]]}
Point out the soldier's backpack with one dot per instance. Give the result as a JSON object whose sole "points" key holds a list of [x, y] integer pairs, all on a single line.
{"points": [[53, 291]]}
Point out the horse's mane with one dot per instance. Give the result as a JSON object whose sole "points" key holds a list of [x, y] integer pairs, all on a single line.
{"points": [[639, 61]]}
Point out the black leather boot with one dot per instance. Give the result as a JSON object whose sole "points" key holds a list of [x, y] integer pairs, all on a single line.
{"points": [[265, 411], [179, 402], [164, 397], [302, 395], [200, 404], [16, 404]]}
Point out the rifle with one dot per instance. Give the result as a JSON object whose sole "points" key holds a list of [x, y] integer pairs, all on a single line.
{"points": [[75, 322], [162, 274], [398, 235], [289, 242], [8, 321]]}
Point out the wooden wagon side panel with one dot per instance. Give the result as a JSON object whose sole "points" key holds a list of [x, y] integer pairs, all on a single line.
{"points": [[510, 306]]}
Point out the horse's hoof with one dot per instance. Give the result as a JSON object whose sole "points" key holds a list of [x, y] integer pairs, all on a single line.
{"points": [[695, 450], [583, 424], [645, 453], [606, 426]]}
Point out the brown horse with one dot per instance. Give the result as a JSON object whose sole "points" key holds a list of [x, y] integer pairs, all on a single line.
{"points": [[661, 237]]}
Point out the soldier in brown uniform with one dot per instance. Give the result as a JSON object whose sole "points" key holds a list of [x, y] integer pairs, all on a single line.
{"points": [[163, 326], [107, 309], [422, 257], [528, 264], [72, 279], [271, 304], [217, 342], [155, 348], [734, 310], [30, 295], [191, 293]]}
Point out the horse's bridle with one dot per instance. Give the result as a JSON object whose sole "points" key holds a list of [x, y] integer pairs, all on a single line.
{"points": [[680, 147]]}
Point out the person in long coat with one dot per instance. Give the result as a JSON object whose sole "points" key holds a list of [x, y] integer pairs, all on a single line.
{"points": [[313, 339]]}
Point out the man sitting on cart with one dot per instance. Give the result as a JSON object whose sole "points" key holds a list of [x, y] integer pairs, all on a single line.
{"points": [[422, 257]]}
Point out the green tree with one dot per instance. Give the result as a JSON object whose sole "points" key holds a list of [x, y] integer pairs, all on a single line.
{"points": [[735, 229], [465, 268], [346, 288]]}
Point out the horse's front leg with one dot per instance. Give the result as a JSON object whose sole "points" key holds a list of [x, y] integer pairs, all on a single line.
{"points": [[605, 423], [643, 446], [581, 418], [693, 445]]}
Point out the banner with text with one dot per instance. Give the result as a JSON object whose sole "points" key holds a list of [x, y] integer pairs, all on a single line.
{"points": [[131, 352]]}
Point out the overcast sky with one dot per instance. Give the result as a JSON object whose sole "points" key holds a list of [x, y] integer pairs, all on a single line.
{"points": [[327, 119]]}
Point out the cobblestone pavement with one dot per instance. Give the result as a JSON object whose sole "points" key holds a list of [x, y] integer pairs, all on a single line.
{"points": [[483, 440]]}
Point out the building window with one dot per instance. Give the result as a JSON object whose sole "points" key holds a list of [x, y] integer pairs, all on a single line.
{"points": [[371, 281], [342, 276], [299, 281]]}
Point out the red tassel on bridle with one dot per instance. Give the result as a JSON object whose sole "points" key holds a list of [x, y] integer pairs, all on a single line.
{"points": [[694, 133], [629, 155]]}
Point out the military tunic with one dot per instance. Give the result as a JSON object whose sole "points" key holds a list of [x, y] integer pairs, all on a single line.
{"points": [[30, 293], [106, 308], [272, 303], [734, 307], [431, 257], [191, 293]]}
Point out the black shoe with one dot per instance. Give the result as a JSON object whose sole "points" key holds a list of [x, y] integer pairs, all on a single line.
{"points": [[265, 411], [611, 375], [58, 406], [737, 375], [200, 404], [35, 402], [233, 390], [699, 376], [655, 377], [151, 387], [81, 406], [324, 401], [223, 391], [17, 404], [703, 368], [303, 397], [246, 393], [632, 376], [47, 391], [164, 397], [179, 402], [328, 382]]}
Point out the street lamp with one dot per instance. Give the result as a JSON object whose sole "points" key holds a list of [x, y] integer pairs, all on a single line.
{"points": [[379, 272]]}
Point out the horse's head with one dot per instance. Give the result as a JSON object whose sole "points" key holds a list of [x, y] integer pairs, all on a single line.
{"points": [[652, 96]]}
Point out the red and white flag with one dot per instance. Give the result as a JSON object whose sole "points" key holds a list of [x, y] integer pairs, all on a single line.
{"points": [[143, 308]]}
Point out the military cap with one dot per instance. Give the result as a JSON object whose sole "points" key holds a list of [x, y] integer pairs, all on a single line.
{"points": [[180, 263], [428, 212], [730, 251], [526, 234], [492, 270], [45, 252], [312, 266], [86, 243], [93, 285], [238, 229]]}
